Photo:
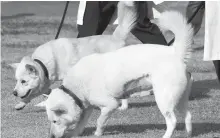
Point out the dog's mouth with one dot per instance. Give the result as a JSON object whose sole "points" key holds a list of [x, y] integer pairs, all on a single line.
{"points": [[29, 91]]}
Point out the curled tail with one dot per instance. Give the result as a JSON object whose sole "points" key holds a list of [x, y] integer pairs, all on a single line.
{"points": [[177, 23], [127, 16]]}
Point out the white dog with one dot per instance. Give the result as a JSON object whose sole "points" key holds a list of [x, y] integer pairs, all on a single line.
{"points": [[99, 80], [50, 61]]}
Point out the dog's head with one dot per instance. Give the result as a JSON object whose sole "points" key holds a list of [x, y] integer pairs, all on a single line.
{"points": [[29, 79], [62, 112]]}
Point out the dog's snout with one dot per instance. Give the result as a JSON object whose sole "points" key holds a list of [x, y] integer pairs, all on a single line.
{"points": [[15, 93]]}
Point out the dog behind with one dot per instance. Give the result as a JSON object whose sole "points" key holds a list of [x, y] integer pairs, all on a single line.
{"points": [[50, 61]]}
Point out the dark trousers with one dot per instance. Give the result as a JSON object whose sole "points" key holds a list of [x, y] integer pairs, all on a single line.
{"points": [[99, 13], [217, 68], [97, 16], [197, 20]]}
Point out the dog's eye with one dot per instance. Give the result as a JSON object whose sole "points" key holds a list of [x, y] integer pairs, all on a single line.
{"points": [[54, 121], [23, 81]]}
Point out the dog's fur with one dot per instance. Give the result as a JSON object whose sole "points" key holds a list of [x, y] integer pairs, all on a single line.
{"points": [[59, 55], [99, 79]]}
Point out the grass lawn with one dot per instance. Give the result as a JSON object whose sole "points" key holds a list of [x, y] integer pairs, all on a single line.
{"points": [[26, 25]]}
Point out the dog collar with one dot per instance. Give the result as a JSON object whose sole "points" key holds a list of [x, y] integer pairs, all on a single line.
{"points": [[77, 100], [43, 67]]}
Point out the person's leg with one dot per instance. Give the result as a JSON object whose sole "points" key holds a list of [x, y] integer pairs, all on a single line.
{"points": [[146, 31], [108, 9], [96, 17], [90, 19], [217, 68], [197, 20]]}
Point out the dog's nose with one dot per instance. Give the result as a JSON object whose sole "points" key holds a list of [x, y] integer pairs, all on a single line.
{"points": [[15, 93]]}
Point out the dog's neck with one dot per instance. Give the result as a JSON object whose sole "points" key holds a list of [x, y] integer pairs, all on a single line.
{"points": [[43, 67], [43, 75], [75, 97], [56, 68], [50, 66]]}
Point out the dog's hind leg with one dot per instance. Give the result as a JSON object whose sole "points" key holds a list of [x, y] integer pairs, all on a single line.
{"points": [[183, 109], [110, 105], [182, 106], [166, 101], [170, 122]]}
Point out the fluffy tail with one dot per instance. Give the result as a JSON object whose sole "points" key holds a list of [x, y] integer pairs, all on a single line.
{"points": [[177, 23], [127, 16]]}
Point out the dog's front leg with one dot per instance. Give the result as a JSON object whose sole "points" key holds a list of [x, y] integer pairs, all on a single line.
{"points": [[83, 121], [105, 114]]}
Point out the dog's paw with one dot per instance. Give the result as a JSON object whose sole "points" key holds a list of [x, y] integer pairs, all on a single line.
{"points": [[123, 107], [189, 134], [98, 133], [165, 136], [20, 106]]}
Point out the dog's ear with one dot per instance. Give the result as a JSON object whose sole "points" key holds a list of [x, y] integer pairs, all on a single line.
{"points": [[59, 109], [27, 59], [31, 69], [14, 65], [41, 104]]}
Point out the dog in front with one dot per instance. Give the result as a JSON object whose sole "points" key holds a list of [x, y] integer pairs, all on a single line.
{"points": [[99, 80], [50, 61]]}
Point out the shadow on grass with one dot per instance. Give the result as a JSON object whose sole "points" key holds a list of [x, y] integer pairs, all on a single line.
{"points": [[140, 105], [200, 89], [17, 16], [203, 128], [137, 105], [33, 110], [198, 128], [198, 49], [124, 129], [40, 110]]}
